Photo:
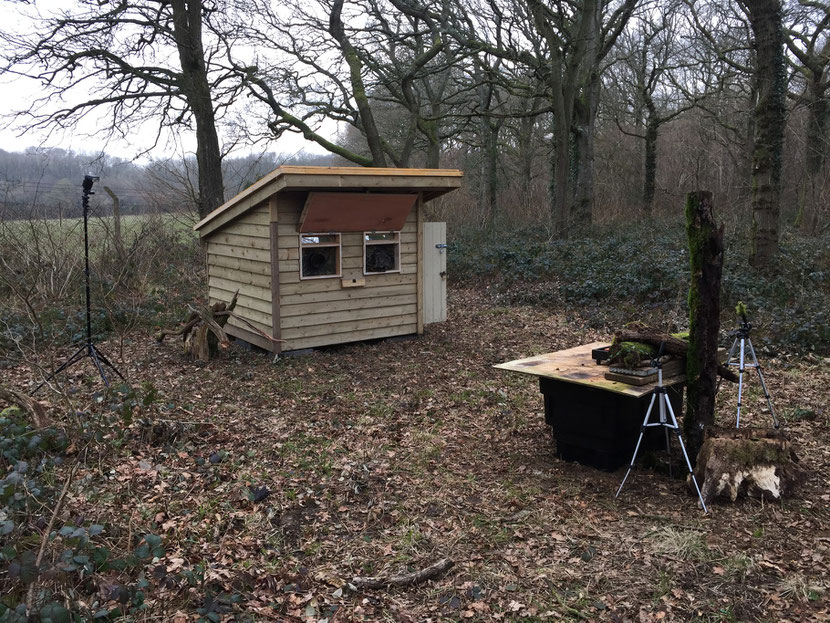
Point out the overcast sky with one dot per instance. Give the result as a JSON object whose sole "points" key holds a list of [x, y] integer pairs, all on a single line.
{"points": [[16, 93]]}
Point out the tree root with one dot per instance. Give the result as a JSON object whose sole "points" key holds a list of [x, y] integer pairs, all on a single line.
{"points": [[30, 406]]}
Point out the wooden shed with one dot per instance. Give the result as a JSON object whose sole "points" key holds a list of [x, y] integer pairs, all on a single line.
{"points": [[327, 255]]}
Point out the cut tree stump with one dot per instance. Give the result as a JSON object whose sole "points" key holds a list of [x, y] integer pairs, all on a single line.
{"points": [[203, 333], [747, 462]]}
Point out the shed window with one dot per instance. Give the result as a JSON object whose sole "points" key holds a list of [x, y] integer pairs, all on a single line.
{"points": [[319, 255], [381, 252]]}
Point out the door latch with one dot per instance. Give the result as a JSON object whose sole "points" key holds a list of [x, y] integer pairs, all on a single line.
{"points": [[441, 246]]}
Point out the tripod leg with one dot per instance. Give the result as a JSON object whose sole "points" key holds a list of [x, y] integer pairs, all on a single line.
{"points": [[637, 447], [94, 356], [686, 457], [77, 356], [106, 362], [740, 384], [664, 399], [763, 384]]}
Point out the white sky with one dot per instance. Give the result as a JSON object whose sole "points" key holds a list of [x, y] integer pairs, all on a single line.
{"points": [[16, 93]]}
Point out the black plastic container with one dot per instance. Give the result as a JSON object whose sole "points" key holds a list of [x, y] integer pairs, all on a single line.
{"points": [[600, 428]]}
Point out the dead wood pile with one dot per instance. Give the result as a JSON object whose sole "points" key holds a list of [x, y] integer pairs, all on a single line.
{"points": [[203, 333], [748, 462], [637, 332]]}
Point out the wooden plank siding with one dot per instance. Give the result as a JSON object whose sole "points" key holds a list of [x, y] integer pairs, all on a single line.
{"points": [[317, 312], [239, 258]]}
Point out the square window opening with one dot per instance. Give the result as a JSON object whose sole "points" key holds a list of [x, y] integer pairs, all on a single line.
{"points": [[319, 256], [381, 252]]}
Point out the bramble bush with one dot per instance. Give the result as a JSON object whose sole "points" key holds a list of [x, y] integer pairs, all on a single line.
{"points": [[621, 273]]}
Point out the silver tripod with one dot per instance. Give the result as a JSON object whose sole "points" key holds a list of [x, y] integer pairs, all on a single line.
{"points": [[664, 408], [743, 344]]}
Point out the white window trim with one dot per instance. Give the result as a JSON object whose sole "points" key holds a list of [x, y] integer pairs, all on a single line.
{"points": [[338, 259], [396, 241]]}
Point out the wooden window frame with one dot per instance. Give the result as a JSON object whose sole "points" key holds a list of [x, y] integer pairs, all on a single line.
{"points": [[395, 241], [338, 259]]}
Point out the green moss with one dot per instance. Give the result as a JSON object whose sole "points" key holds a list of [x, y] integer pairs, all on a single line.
{"points": [[740, 308], [681, 335], [630, 354]]}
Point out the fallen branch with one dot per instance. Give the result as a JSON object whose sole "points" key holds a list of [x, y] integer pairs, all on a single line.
{"points": [[671, 345], [30, 406], [407, 579], [30, 595]]}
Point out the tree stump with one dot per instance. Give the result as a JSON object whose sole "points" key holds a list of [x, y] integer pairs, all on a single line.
{"points": [[203, 333], [706, 259], [747, 462]]}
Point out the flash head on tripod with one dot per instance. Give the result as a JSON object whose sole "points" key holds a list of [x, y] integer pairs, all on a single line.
{"points": [[89, 180]]}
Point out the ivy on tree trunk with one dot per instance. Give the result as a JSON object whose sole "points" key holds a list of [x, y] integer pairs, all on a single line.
{"points": [[706, 258]]}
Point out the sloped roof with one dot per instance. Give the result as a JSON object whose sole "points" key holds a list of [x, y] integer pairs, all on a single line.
{"points": [[432, 182]]}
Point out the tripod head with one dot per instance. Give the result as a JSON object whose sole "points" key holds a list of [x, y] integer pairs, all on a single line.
{"points": [[655, 361], [89, 180]]}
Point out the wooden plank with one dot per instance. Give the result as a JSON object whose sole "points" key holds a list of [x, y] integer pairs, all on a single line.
{"points": [[292, 240], [356, 336], [276, 322], [306, 298], [239, 276], [240, 228], [244, 241], [290, 287], [228, 212], [249, 336], [230, 285], [356, 212], [257, 255], [349, 326], [575, 365], [420, 266], [346, 304], [252, 267], [243, 313], [243, 301], [343, 316]]}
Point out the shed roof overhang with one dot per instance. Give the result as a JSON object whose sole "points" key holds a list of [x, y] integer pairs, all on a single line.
{"points": [[431, 182]]}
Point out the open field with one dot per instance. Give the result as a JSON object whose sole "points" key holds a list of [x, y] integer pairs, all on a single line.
{"points": [[387, 457]]}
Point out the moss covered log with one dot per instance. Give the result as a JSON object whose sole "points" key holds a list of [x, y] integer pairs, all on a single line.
{"points": [[706, 258]]}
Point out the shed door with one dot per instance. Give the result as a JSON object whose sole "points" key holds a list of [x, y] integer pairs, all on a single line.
{"points": [[435, 272]]}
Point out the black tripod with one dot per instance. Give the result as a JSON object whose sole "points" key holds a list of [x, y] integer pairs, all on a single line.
{"points": [[88, 349]]}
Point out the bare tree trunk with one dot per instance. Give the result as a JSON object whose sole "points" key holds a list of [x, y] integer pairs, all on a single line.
{"points": [[818, 111], [367, 117], [770, 117], [187, 22], [650, 159], [585, 116], [706, 259]]}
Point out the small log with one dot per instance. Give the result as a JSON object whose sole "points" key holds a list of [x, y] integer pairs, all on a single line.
{"points": [[407, 579], [30, 406], [747, 462]]}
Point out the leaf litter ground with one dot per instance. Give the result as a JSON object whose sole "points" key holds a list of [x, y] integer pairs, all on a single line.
{"points": [[286, 480]]}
